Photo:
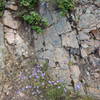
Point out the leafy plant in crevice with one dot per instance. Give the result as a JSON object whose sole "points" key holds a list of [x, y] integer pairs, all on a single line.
{"points": [[28, 3], [36, 21], [28, 10], [2, 5], [65, 6]]}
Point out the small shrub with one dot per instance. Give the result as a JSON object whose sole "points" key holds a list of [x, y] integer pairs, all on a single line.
{"points": [[31, 15], [35, 20], [28, 3], [65, 6]]}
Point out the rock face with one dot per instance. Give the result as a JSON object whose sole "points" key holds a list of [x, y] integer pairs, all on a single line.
{"points": [[9, 21], [69, 40], [71, 45], [2, 56], [87, 21], [1, 47]]}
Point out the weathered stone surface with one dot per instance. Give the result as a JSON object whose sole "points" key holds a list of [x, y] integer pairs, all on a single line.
{"points": [[97, 2], [62, 57], [83, 36], [59, 45], [63, 75], [8, 30], [69, 40], [75, 73], [96, 33], [97, 14], [84, 45], [46, 13], [94, 91], [87, 21], [62, 26], [10, 38], [21, 47], [11, 5], [1, 47], [38, 43], [48, 54], [95, 61], [83, 53], [9, 21], [52, 37]]}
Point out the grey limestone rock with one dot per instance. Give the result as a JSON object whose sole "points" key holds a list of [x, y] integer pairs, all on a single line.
{"points": [[70, 40]]}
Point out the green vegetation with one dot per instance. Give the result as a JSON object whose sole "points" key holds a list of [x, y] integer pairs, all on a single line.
{"points": [[35, 20], [65, 6], [87, 98], [38, 83], [30, 14], [2, 5], [50, 89], [29, 3]]}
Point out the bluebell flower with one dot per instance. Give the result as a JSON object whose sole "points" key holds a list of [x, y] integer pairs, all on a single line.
{"points": [[18, 91], [22, 77], [59, 81], [37, 77], [50, 82], [23, 89], [29, 86], [43, 74], [78, 86]]}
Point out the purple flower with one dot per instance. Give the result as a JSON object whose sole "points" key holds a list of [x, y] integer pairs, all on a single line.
{"points": [[58, 81], [50, 82], [32, 75], [23, 89], [29, 86], [43, 74], [38, 71], [22, 77], [37, 77], [18, 91], [78, 86]]}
